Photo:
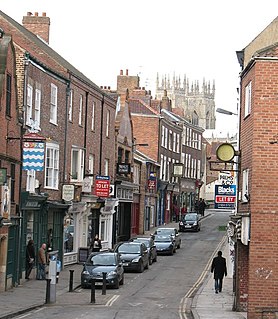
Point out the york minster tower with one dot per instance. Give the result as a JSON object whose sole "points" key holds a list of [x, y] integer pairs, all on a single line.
{"points": [[196, 104]]}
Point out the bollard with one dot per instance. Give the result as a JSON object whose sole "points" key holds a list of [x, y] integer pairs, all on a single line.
{"points": [[47, 298], [71, 281], [104, 283], [93, 291]]}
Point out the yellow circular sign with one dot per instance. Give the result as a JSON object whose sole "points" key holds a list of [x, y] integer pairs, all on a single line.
{"points": [[225, 152]]}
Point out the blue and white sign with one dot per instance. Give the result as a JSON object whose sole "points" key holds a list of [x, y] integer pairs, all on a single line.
{"points": [[33, 156], [225, 196]]}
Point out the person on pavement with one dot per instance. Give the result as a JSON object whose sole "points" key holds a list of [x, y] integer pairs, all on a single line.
{"points": [[30, 258], [41, 262], [96, 244], [219, 268]]}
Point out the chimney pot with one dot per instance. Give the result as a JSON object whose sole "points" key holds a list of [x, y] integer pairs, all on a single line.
{"points": [[121, 72], [44, 14], [36, 14], [29, 14], [126, 72]]}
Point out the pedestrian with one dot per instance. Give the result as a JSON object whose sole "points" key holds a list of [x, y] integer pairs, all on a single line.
{"points": [[219, 268], [96, 244], [41, 262], [202, 206], [30, 258]]}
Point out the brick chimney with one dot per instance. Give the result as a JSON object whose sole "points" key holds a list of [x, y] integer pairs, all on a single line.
{"points": [[39, 25]]}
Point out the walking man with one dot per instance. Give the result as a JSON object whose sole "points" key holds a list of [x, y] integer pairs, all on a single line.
{"points": [[41, 262], [219, 268]]}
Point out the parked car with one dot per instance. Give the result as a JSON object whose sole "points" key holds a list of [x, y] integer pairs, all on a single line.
{"points": [[190, 221], [134, 256], [149, 242], [164, 244], [173, 232], [99, 262]]}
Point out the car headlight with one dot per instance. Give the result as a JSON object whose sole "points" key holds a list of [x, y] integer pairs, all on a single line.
{"points": [[112, 273], [85, 272], [195, 223], [136, 260]]}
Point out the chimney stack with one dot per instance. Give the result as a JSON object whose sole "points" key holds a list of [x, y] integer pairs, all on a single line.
{"points": [[39, 25]]}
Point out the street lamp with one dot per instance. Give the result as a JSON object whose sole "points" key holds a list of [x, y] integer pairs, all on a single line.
{"points": [[223, 111]]}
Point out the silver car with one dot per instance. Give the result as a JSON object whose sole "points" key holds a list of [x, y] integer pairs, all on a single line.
{"points": [[171, 231]]}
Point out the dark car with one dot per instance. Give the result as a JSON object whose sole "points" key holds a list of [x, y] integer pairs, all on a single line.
{"points": [[170, 231], [164, 244], [149, 242], [97, 263], [134, 256], [190, 221]]}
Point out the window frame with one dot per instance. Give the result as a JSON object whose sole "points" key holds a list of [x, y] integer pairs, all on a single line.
{"points": [[54, 150], [53, 114]]}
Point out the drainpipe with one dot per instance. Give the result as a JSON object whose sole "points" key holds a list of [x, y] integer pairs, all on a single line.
{"points": [[85, 133], [101, 134]]}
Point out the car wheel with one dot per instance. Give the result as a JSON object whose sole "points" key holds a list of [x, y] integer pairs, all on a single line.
{"points": [[147, 265], [141, 267], [122, 281]]}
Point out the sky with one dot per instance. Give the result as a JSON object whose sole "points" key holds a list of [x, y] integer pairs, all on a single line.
{"points": [[197, 38]]}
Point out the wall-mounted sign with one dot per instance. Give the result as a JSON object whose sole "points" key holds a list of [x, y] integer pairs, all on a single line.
{"points": [[151, 184], [68, 192], [5, 202], [86, 185], [123, 168], [225, 152], [225, 196], [102, 186], [178, 169]]}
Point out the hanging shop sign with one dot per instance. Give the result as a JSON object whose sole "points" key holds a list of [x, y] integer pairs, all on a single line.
{"points": [[102, 186], [68, 192], [225, 196]]}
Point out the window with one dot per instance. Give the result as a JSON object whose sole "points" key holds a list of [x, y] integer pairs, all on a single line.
{"points": [[80, 114], [106, 167], [161, 167], [174, 142], [136, 174], [195, 119], [77, 164], [30, 182], [178, 143], [8, 94], [29, 105], [245, 186], [170, 140], [37, 108], [166, 137], [70, 104], [107, 123], [162, 135], [127, 156], [120, 155], [198, 169], [93, 116], [52, 166], [53, 104], [248, 95], [91, 166]]}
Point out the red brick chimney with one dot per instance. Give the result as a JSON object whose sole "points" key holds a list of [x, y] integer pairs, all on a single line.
{"points": [[39, 25]]}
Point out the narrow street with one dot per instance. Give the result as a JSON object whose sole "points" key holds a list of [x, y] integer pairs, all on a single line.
{"points": [[159, 292]]}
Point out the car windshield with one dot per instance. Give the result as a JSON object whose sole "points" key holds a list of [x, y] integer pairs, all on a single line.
{"points": [[129, 249], [190, 217], [165, 231], [103, 260], [143, 240], [161, 238]]}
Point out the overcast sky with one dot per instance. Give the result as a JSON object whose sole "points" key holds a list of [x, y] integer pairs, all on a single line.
{"points": [[198, 38]]}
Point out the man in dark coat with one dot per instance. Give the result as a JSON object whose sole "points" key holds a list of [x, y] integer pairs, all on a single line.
{"points": [[219, 268]]}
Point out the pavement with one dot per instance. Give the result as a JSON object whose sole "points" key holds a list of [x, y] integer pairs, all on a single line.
{"points": [[31, 294]]}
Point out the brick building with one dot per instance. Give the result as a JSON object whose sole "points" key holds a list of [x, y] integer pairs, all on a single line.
{"points": [[257, 248], [75, 118]]}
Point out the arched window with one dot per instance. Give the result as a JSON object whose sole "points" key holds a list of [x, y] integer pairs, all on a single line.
{"points": [[195, 118]]}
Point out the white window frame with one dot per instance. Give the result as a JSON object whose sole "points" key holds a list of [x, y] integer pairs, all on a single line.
{"points": [[53, 104], [166, 138], [107, 122], [178, 143], [51, 177], [162, 136], [170, 140], [29, 105], [248, 98], [31, 181], [70, 105], [106, 167], [93, 116], [79, 165], [245, 185], [37, 116], [80, 112], [174, 141], [91, 167]]}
